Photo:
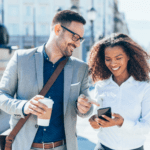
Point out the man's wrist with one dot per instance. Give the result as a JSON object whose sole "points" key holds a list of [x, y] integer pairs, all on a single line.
{"points": [[23, 110], [76, 102]]}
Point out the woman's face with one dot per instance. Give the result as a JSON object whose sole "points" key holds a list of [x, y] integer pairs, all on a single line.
{"points": [[116, 60]]}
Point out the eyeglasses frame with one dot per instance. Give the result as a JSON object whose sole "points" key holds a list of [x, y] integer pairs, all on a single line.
{"points": [[80, 38]]}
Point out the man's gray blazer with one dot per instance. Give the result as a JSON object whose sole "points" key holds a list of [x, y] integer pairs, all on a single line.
{"points": [[4, 121], [23, 77]]}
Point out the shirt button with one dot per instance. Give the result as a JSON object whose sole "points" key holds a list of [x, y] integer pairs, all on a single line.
{"points": [[44, 129], [36, 126], [47, 58]]}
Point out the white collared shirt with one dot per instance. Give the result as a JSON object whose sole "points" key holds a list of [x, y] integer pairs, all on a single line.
{"points": [[132, 101]]}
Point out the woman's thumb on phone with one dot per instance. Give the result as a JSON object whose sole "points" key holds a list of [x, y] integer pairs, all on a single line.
{"points": [[115, 115]]}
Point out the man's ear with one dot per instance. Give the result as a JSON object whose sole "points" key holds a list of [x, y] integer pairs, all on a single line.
{"points": [[57, 29]]}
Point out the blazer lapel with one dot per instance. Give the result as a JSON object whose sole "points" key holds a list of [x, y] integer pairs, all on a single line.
{"points": [[39, 67], [68, 71]]}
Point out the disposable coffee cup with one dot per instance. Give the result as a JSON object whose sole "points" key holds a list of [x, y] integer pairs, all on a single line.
{"points": [[44, 119]]}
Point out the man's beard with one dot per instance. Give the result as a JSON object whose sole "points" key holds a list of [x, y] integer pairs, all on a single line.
{"points": [[65, 51]]}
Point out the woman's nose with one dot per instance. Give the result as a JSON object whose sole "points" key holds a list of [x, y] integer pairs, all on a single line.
{"points": [[113, 63]]}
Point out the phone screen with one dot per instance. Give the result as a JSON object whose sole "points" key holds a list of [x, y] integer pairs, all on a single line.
{"points": [[104, 111]]}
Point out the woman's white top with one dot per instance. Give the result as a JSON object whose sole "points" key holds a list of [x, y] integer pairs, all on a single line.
{"points": [[132, 101]]}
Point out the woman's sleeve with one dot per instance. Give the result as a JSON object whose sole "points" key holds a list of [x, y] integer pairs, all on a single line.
{"points": [[141, 126], [97, 97]]}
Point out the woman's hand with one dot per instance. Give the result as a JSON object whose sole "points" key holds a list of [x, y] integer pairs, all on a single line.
{"points": [[117, 120], [93, 122]]}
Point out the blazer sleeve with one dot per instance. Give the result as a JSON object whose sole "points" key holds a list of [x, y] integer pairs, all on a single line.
{"points": [[8, 88], [84, 90]]}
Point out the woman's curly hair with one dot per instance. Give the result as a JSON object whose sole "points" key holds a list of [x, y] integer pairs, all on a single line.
{"points": [[137, 65]]}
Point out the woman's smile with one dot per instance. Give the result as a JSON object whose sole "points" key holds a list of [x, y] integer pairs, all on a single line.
{"points": [[115, 68]]}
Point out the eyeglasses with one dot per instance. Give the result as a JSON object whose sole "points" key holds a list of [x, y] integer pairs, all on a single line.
{"points": [[75, 36]]}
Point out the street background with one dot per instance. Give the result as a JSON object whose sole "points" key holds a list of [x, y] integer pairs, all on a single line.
{"points": [[28, 25]]}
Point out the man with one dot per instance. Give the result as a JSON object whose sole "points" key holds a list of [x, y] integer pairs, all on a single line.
{"points": [[27, 73]]}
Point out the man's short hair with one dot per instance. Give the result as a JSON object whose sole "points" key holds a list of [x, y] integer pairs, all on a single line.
{"points": [[66, 17]]}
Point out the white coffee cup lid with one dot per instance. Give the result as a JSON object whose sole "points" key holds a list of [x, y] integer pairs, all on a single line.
{"points": [[48, 102]]}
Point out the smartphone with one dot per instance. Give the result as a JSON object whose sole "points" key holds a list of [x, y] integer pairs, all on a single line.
{"points": [[104, 111]]}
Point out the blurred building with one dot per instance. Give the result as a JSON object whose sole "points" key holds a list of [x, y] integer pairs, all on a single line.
{"points": [[120, 25], [148, 49], [103, 24], [28, 21]]}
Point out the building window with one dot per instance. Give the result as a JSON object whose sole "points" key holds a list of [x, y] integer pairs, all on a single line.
{"points": [[109, 19], [0, 8], [13, 29], [99, 2], [28, 10], [0, 13], [13, 10], [43, 29], [111, 3], [27, 30], [43, 11]]}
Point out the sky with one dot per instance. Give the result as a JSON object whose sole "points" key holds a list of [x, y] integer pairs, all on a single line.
{"points": [[137, 16]]}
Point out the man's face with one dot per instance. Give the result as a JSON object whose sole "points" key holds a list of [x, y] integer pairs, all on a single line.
{"points": [[65, 42]]}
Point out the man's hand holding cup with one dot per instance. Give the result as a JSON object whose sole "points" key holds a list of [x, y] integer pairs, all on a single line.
{"points": [[33, 106], [84, 103], [42, 107]]}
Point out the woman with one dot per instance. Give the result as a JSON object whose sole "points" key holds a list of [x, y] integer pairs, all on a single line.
{"points": [[120, 68]]}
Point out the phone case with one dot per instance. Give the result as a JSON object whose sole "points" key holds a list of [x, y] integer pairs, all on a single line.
{"points": [[104, 111]]}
